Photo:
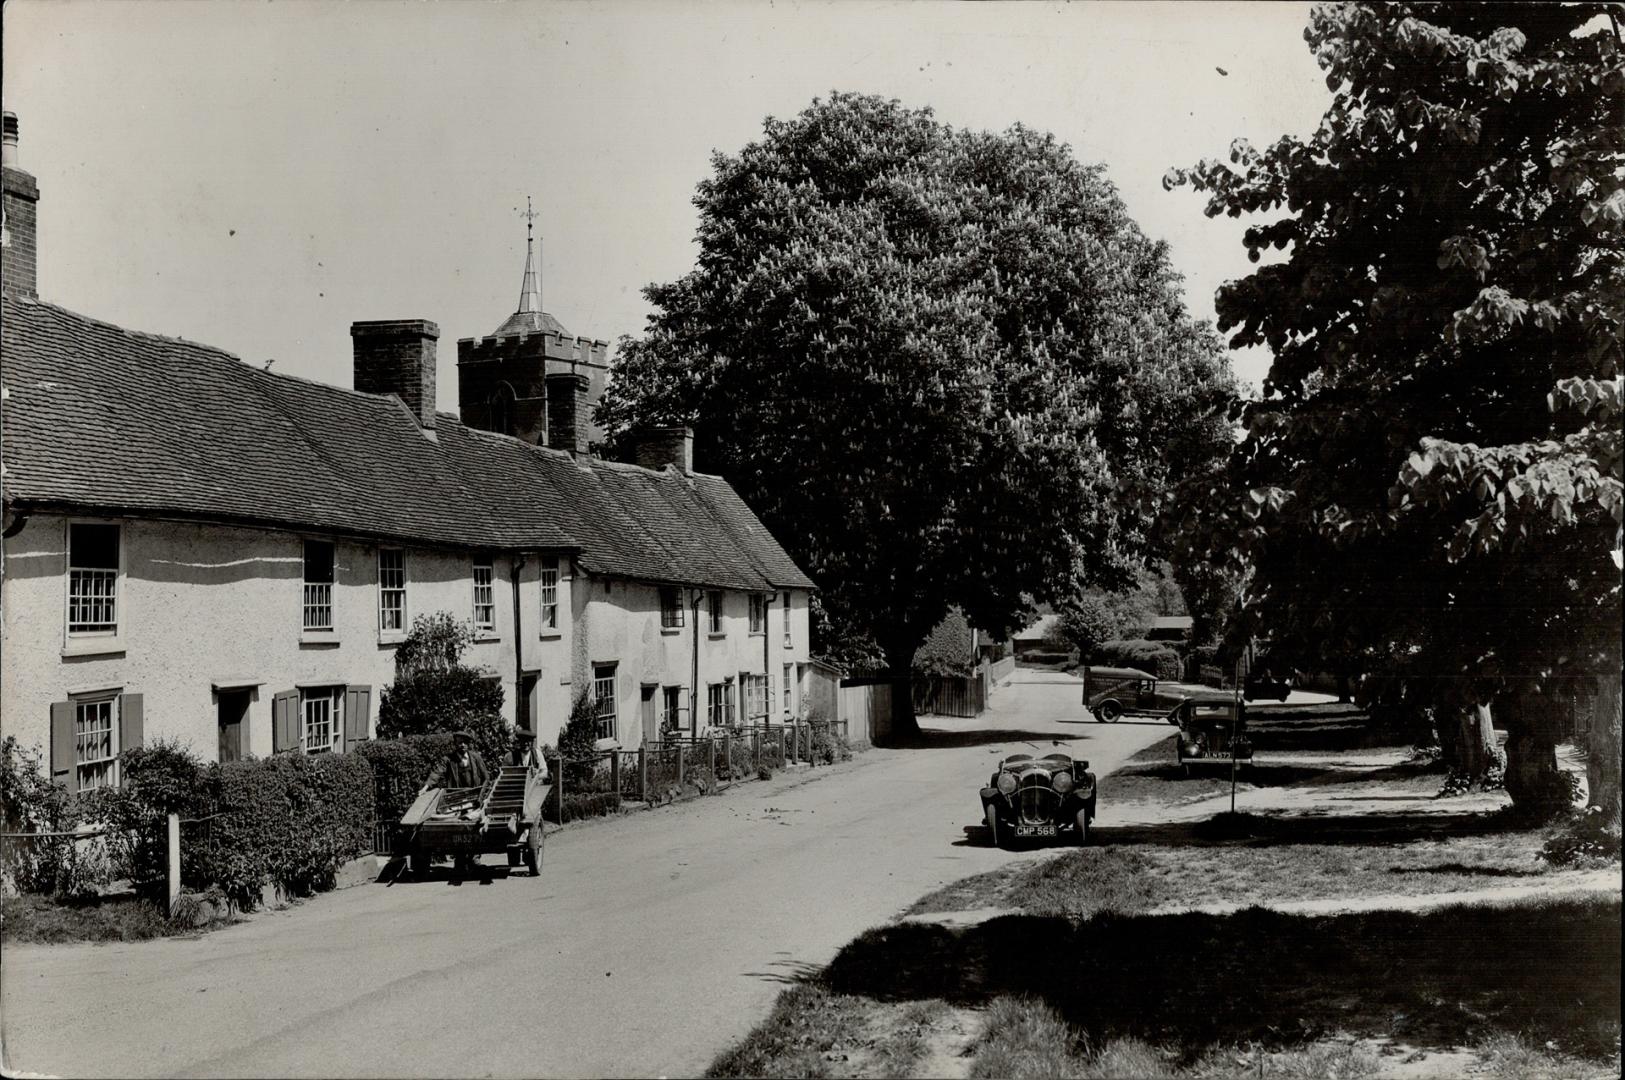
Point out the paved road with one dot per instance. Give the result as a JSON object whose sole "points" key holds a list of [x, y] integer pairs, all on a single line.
{"points": [[649, 944]]}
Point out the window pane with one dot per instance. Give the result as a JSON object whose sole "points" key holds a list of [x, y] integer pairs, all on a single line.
{"points": [[93, 547], [318, 562]]}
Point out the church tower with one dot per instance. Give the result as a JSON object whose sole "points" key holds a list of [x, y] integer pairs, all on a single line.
{"points": [[531, 378]]}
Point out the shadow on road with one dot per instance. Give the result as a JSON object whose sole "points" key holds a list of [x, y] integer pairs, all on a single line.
{"points": [[1435, 979], [938, 739], [395, 872]]}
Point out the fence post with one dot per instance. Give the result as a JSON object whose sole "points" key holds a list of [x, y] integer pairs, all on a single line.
{"points": [[756, 748], [783, 757], [711, 748], [728, 755], [643, 773], [615, 772], [174, 885], [558, 787], [679, 766]]}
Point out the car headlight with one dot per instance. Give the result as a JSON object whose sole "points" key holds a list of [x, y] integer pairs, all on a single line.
{"points": [[1007, 783], [1086, 786], [1062, 782]]}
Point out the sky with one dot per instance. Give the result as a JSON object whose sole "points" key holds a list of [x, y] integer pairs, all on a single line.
{"points": [[256, 176]]}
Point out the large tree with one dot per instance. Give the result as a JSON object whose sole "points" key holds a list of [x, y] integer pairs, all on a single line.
{"points": [[1431, 480], [944, 366]]}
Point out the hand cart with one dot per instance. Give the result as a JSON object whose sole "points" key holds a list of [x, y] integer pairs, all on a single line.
{"points": [[504, 816]]}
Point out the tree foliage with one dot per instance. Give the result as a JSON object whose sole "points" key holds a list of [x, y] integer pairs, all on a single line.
{"points": [[1431, 481], [434, 691], [944, 366]]}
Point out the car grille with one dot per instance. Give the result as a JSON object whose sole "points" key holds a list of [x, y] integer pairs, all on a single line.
{"points": [[1036, 801]]}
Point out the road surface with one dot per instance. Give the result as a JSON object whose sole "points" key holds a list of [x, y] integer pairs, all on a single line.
{"points": [[649, 944]]}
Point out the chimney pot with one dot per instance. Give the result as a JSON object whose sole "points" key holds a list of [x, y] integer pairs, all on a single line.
{"points": [[397, 356], [8, 140]]}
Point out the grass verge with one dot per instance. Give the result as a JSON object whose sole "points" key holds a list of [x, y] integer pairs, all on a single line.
{"points": [[42, 920], [1136, 878]]}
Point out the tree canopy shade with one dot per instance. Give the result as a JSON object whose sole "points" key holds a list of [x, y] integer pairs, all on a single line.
{"points": [[1431, 481], [944, 366]]}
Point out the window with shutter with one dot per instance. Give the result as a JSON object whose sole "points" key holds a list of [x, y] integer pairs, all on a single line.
{"points": [[63, 758], [285, 734]]}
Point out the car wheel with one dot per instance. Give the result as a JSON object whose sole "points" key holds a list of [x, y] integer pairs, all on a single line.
{"points": [[1083, 827], [995, 837], [1108, 711]]}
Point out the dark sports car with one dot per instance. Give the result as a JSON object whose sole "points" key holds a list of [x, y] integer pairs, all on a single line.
{"points": [[1039, 799]]}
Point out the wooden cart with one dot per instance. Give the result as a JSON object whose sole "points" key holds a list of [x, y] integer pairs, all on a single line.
{"points": [[505, 816]]}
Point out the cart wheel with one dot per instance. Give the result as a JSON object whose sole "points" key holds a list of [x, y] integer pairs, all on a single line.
{"points": [[1083, 827], [1109, 710], [534, 839]]}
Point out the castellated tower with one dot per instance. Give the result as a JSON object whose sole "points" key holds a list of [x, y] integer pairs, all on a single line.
{"points": [[531, 378]]}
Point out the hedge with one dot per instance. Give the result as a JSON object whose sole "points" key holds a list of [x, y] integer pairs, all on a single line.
{"points": [[290, 821], [1152, 656]]}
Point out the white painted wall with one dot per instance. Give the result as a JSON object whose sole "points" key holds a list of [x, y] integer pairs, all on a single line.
{"points": [[206, 604]]}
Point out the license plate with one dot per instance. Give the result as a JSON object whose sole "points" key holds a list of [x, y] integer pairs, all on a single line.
{"points": [[1035, 830]]}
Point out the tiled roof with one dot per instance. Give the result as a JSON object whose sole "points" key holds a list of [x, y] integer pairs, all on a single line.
{"points": [[531, 322], [103, 418]]}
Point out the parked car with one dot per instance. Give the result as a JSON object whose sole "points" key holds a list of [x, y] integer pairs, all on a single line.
{"points": [[1039, 799], [1266, 684], [1213, 733], [1112, 693]]}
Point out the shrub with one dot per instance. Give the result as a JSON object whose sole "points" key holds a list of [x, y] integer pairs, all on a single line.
{"points": [[434, 692], [1591, 837], [578, 744], [155, 781], [31, 803], [1151, 656], [829, 745], [292, 821]]}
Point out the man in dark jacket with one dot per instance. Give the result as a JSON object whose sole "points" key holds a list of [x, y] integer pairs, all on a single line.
{"points": [[463, 774], [463, 768]]}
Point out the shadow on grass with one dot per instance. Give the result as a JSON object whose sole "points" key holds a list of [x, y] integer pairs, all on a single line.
{"points": [[1470, 871], [1435, 979], [1266, 830]]}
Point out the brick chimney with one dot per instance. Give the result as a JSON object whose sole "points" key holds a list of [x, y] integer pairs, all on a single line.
{"points": [[396, 356], [567, 411], [19, 247], [659, 447]]}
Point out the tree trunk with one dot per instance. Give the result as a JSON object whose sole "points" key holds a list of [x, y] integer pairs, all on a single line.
{"points": [[1471, 738], [1537, 786], [905, 726], [1602, 745]]}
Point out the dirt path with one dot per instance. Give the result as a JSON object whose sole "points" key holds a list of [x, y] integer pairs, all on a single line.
{"points": [[649, 944]]}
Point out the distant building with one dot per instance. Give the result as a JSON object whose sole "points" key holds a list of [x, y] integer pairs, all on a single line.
{"points": [[197, 549], [1169, 628]]}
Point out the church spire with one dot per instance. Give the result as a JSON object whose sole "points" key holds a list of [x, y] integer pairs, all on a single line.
{"points": [[530, 291]]}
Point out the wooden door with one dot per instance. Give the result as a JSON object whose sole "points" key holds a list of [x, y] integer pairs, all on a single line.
{"points": [[651, 724], [233, 716]]}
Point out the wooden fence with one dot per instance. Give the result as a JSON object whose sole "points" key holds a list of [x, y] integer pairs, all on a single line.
{"points": [[865, 707], [951, 695]]}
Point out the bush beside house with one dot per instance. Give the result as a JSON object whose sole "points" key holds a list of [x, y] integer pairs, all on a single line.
{"points": [[1152, 656]]}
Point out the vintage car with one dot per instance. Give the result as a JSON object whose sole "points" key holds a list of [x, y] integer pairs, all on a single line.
{"points": [[1213, 733], [1266, 684], [1039, 798], [1112, 693]]}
